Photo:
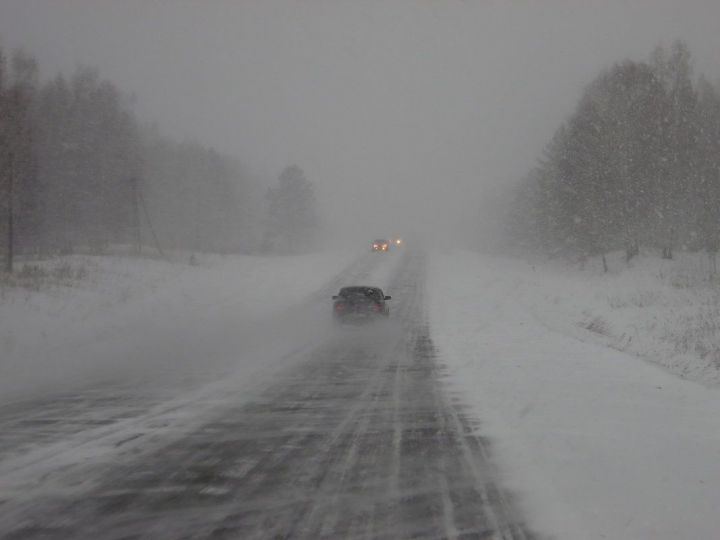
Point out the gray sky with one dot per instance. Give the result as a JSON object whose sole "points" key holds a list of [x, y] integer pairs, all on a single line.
{"points": [[400, 111]]}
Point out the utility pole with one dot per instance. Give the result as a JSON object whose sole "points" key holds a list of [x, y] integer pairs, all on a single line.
{"points": [[136, 213], [150, 225], [10, 216]]}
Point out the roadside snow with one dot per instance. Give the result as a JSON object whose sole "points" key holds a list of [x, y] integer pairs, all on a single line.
{"points": [[667, 312], [129, 315], [596, 443]]}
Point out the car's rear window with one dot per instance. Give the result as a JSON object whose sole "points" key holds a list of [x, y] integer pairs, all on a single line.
{"points": [[364, 292]]}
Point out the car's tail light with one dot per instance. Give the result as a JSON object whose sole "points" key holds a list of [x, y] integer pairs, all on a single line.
{"points": [[376, 308], [339, 307]]}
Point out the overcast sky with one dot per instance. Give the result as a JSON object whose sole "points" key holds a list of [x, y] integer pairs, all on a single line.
{"points": [[400, 111]]}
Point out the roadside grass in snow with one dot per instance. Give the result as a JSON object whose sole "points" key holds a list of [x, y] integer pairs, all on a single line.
{"points": [[35, 276], [665, 311]]}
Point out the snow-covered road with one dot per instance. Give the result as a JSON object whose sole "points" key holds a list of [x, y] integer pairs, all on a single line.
{"points": [[475, 413], [349, 434]]}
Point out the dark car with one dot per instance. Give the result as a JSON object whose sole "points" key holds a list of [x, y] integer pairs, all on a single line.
{"points": [[381, 245], [360, 303]]}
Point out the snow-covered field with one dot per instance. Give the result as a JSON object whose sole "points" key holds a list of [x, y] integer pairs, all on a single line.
{"points": [[107, 316], [596, 442]]}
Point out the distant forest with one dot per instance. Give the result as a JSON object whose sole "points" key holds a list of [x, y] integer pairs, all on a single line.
{"points": [[636, 164], [79, 171]]}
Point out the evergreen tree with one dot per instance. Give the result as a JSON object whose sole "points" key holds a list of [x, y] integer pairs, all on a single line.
{"points": [[17, 161], [292, 214]]}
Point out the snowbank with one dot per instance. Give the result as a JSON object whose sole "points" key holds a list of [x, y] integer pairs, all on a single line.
{"points": [[109, 316], [667, 312], [596, 443]]}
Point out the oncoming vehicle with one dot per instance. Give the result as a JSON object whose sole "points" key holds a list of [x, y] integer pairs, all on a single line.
{"points": [[397, 242], [381, 245], [359, 304]]}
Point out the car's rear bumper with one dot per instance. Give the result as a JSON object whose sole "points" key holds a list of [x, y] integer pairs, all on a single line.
{"points": [[360, 317]]}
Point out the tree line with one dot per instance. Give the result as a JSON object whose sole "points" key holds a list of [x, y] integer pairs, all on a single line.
{"points": [[79, 171], [637, 163]]}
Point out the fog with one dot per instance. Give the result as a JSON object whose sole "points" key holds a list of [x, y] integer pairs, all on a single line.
{"points": [[407, 115], [188, 188]]}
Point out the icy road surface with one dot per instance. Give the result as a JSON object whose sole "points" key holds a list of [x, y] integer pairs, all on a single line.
{"points": [[354, 436]]}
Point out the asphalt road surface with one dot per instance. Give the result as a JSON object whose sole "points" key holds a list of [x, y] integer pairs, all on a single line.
{"points": [[358, 439]]}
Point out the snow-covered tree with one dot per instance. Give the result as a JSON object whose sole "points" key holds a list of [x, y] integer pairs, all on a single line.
{"points": [[637, 162], [78, 170]]}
